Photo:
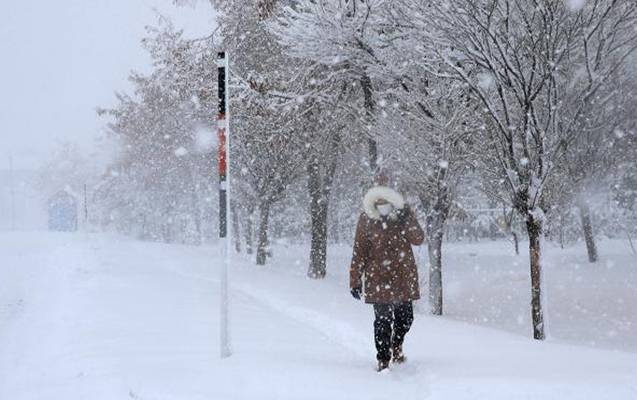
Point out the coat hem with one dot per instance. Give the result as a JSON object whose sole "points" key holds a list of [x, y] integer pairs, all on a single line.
{"points": [[393, 301]]}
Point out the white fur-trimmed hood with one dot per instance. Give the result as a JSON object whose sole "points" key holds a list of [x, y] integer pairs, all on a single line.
{"points": [[381, 192]]}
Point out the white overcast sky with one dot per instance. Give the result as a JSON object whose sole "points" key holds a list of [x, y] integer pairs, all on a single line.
{"points": [[61, 59]]}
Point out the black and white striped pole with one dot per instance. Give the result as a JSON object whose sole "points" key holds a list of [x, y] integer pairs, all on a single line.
{"points": [[223, 136]]}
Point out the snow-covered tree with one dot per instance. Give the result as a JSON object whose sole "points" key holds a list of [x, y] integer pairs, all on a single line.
{"points": [[268, 155], [429, 146], [339, 38], [536, 71], [159, 185]]}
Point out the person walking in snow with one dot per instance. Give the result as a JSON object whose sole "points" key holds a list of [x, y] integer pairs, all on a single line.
{"points": [[384, 261]]}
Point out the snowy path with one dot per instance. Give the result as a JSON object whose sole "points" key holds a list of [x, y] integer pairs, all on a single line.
{"points": [[108, 318]]}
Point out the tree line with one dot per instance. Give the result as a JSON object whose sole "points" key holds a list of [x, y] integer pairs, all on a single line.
{"points": [[527, 106]]}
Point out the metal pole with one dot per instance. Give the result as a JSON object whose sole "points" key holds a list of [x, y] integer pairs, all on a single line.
{"points": [[85, 208], [224, 200]]}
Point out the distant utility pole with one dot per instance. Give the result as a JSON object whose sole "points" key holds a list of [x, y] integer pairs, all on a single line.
{"points": [[12, 192], [223, 134], [85, 208]]}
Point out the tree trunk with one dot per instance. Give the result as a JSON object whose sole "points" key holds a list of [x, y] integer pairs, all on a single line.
{"points": [[199, 238], [434, 245], [534, 229], [235, 229], [318, 216], [320, 188], [435, 228], [373, 155], [318, 251], [366, 84], [562, 239], [516, 242], [334, 229], [144, 235], [248, 234], [508, 220], [262, 245], [587, 227], [630, 241], [167, 232], [435, 231]]}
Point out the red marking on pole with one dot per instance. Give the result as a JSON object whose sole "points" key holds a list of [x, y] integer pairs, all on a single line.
{"points": [[222, 152], [221, 137]]}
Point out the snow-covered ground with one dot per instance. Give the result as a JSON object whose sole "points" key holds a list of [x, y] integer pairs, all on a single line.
{"points": [[102, 317]]}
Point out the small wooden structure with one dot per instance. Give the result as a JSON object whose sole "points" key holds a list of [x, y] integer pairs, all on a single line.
{"points": [[63, 212]]}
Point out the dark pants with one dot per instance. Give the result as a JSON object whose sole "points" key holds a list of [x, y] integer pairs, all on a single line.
{"points": [[386, 336]]}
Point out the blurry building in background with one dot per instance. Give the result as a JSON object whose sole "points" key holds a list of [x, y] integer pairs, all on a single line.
{"points": [[63, 212]]}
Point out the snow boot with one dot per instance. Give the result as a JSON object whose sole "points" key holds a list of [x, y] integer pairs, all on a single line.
{"points": [[382, 365], [398, 357]]}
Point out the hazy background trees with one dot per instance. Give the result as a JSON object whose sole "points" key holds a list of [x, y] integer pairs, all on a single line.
{"points": [[496, 118]]}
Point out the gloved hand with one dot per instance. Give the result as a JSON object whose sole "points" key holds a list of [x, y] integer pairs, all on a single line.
{"points": [[403, 214], [356, 292]]}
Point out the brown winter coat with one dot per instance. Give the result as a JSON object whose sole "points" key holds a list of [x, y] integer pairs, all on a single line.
{"points": [[382, 251]]}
